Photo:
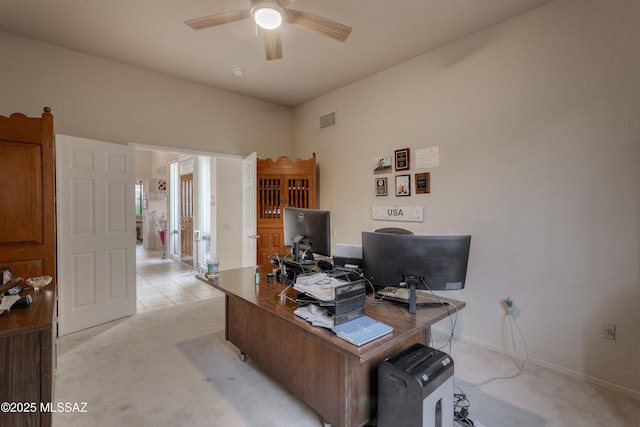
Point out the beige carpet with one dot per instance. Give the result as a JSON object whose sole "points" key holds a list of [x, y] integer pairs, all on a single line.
{"points": [[172, 367], [539, 397], [168, 367]]}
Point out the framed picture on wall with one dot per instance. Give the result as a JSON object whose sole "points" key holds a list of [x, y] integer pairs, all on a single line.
{"points": [[382, 164], [402, 159], [403, 185], [381, 186], [422, 183]]}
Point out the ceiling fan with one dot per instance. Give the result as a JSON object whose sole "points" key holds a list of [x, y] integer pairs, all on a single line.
{"points": [[269, 15]]}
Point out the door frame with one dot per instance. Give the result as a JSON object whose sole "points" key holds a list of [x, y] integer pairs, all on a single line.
{"points": [[173, 251]]}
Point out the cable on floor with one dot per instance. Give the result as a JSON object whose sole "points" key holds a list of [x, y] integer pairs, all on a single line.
{"points": [[461, 408], [519, 362]]}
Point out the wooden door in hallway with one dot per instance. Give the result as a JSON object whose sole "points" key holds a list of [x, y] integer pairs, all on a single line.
{"points": [[186, 218]]}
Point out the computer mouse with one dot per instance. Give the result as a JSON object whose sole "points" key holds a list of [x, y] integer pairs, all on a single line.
{"points": [[23, 302], [325, 265]]}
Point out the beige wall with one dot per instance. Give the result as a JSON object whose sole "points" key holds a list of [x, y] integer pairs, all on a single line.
{"points": [[99, 99], [537, 124], [104, 100], [539, 135], [144, 165]]}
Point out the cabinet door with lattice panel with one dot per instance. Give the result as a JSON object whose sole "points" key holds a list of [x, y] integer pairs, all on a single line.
{"points": [[280, 184], [271, 198], [299, 192]]}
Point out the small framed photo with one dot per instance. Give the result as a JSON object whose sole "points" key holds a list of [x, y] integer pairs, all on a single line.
{"points": [[382, 164], [403, 185], [381, 186], [402, 159], [422, 183]]}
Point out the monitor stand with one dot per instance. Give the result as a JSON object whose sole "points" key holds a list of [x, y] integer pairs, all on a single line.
{"points": [[296, 248], [412, 282], [298, 244]]}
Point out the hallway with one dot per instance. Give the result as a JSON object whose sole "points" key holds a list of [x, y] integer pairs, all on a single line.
{"points": [[165, 282]]}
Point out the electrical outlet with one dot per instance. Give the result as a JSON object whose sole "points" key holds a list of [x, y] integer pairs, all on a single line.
{"points": [[608, 330], [511, 308], [508, 304]]}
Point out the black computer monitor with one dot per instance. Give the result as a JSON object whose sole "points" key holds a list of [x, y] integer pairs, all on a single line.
{"points": [[307, 231], [437, 263]]}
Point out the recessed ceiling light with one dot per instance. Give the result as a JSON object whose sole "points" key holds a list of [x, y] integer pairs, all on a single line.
{"points": [[238, 72]]}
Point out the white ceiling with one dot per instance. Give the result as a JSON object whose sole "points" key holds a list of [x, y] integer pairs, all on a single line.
{"points": [[151, 34]]}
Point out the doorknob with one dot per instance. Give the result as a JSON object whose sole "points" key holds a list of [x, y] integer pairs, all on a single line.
{"points": [[253, 236]]}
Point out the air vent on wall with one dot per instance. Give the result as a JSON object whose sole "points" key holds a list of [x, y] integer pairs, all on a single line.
{"points": [[328, 120]]}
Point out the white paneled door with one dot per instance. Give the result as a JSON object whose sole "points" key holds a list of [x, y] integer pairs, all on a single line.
{"points": [[96, 232], [249, 210]]}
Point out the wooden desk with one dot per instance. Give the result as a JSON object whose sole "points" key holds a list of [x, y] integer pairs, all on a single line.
{"points": [[335, 378]]}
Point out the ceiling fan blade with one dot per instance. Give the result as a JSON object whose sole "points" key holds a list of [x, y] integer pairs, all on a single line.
{"points": [[219, 19], [272, 44], [319, 25]]}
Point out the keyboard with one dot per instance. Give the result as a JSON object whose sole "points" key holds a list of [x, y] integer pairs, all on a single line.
{"points": [[402, 294], [399, 293]]}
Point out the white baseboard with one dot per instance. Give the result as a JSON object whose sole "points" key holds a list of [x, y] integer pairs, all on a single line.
{"points": [[569, 372]]}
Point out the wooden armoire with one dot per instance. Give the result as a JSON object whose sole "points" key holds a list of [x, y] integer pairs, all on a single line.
{"points": [[280, 184], [28, 248]]}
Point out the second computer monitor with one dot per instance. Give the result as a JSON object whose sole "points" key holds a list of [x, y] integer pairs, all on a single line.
{"points": [[307, 230]]}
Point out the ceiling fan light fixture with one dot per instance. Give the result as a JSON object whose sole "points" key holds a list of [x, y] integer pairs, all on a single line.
{"points": [[267, 14]]}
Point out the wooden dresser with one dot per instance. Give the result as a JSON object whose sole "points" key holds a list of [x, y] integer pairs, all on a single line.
{"points": [[280, 184], [28, 247], [27, 351]]}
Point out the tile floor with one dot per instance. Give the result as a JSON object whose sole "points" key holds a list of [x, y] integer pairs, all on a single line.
{"points": [[164, 282]]}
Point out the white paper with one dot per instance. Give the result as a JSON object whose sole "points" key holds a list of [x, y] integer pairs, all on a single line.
{"points": [[323, 291], [428, 157], [315, 315]]}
